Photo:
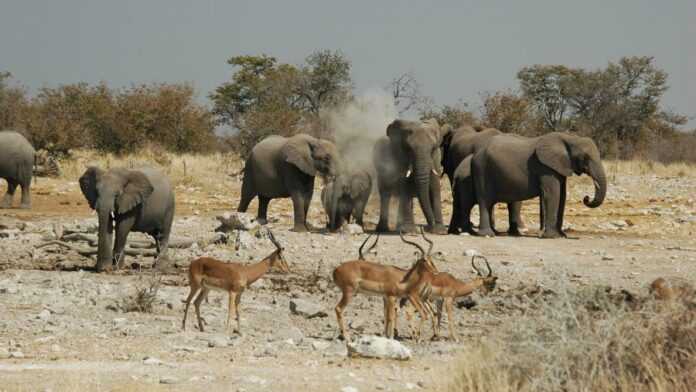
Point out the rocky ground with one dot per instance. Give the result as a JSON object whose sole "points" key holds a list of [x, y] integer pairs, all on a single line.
{"points": [[63, 327]]}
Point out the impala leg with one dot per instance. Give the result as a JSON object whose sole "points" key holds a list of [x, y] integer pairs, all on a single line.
{"points": [[421, 312], [390, 316], [450, 319], [231, 309], [345, 299], [197, 303], [192, 293], [236, 310]]}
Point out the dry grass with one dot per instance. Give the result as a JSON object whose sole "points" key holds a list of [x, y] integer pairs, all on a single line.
{"points": [[183, 169], [588, 340], [143, 299], [647, 167]]}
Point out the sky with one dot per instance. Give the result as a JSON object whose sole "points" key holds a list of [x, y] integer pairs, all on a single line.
{"points": [[456, 49]]}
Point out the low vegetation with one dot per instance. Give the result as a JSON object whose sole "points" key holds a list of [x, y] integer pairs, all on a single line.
{"points": [[587, 340]]}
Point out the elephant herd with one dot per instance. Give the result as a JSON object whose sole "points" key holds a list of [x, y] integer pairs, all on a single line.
{"points": [[484, 167]]}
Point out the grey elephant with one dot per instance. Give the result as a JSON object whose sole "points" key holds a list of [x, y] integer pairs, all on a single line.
{"points": [[280, 167], [407, 162], [16, 166], [346, 196], [140, 200], [458, 148], [515, 168]]}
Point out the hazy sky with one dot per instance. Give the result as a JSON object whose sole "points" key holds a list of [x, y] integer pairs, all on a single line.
{"points": [[456, 49]]}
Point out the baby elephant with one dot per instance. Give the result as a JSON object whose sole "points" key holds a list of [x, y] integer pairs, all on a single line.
{"points": [[346, 196]]}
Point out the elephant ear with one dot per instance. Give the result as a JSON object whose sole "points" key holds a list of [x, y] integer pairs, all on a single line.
{"points": [[298, 151], [136, 190], [552, 151], [88, 185]]}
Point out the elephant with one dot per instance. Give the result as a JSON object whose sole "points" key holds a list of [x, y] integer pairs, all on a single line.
{"points": [[408, 164], [458, 147], [17, 158], [346, 196], [281, 167], [515, 168], [140, 200]]}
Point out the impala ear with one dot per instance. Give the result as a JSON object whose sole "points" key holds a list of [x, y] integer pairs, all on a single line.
{"points": [[552, 151], [88, 184], [136, 190], [298, 151]]}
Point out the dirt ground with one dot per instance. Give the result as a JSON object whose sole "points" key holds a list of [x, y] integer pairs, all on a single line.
{"points": [[62, 328]]}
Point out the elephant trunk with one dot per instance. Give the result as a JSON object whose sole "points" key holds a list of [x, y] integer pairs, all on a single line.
{"points": [[422, 172], [596, 171], [105, 243]]}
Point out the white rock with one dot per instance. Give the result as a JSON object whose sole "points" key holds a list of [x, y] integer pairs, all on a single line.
{"points": [[352, 229], [471, 252], [218, 341], [306, 308], [17, 354], [151, 361], [320, 345], [255, 380], [349, 389], [236, 221], [44, 315], [378, 347]]}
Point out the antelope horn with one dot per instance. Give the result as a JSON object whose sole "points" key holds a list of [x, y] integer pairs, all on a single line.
{"points": [[373, 244], [473, 265], [401, 234], [360, 254], [430, 248], [273, 240]]}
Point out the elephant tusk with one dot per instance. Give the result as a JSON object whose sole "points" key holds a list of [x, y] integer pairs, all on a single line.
{"points": [[596, 184], [408, 173], [113, 216], [435, 172]]}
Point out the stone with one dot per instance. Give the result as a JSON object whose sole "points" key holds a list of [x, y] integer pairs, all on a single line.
{"points": [[16, 354], [320, 345], [471, 252], [293, 333], [607, 257], [349, 389], [218, 341], [378, 347], [168, 380], [352, 229], [44, 315], [244, 240], [151, 361], [306, 309], [230, 221], [255, 380]]}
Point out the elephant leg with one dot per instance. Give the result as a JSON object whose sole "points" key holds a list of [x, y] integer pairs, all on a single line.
{"points": [[122, 229], [550, 194], [406, 222], [7, 199], [541, 213], [359, 209], [26, 195], [307, 197], [383, 224], [561, 207], [454, 225], [486, 218], [263, 210], [298, 206], [513, 216], [162, 241]]}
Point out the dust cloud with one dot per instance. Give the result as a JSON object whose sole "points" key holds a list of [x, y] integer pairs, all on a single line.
{"points": [[359, 124]]}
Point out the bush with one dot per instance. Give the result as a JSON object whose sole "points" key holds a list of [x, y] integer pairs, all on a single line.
{"points": [[590, 340]]}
